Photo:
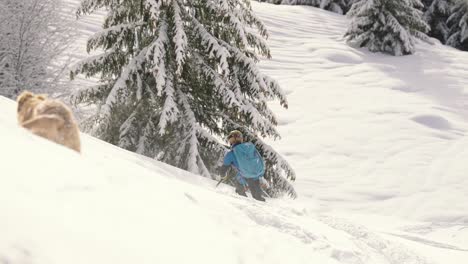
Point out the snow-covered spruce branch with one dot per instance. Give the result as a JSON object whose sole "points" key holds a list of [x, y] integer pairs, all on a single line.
{"points": [[120, 85], [118, 93], [261, 85], [170, 111], [259, 117], [88, 6], [251, 18], [180, 38], [232, 17], [229, 97], [212, 46], [113, 35], [157, 51], [458, 26], [154, 7], [192, 138], [93, 65], [436, 15]]}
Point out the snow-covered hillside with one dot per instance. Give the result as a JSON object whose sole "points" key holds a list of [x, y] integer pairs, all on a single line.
{"points": [[378, 144], [370, 132], [112, 206]]}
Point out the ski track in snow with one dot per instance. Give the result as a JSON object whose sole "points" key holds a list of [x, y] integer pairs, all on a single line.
{"points": [[429, 242], [391, 251]]}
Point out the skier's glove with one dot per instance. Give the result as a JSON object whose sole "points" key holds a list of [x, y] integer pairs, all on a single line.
{"points": [[264, 183]]}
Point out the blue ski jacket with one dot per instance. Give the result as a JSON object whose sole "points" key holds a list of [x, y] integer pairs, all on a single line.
{"points": [[231, 160]]}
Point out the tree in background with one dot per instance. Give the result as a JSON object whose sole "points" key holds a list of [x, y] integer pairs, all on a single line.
{"points": [[337, 6], [315, 3], [387, 25], [176, 76], [436, 13], [458, 26], [34, 35]]}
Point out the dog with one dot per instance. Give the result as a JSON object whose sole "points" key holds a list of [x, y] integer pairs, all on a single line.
{"points": [[48, 118]]}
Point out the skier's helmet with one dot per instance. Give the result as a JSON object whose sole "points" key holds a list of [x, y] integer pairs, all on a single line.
{"points": [[235, 136]]}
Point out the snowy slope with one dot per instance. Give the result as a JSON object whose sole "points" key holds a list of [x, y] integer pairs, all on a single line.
{"points": [[112, 206], [378, 144], [374, 137], [369, 132]]}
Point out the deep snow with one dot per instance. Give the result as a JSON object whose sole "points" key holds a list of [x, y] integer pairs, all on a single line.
{"points": [[370, 132], [378, 144]]}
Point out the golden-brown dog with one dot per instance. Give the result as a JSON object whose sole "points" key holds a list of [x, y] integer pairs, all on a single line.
{"points": [[49, 119]]}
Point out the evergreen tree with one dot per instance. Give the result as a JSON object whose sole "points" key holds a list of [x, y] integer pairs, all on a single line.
{"points": [[436, 13], [337, 6], [176, 76], [458, 26], [277, 2], [387, 25], [315, 3]]}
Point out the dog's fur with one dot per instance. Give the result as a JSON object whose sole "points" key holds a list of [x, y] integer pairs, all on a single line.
{"points": [[49, 119]]}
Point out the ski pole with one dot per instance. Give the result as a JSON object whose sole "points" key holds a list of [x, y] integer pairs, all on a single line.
{"points": [[265, 193], [223, 179], [219, 182]]}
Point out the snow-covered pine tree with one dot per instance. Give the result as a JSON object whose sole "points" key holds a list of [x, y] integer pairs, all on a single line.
{"points": [[436, 13], [387, 25], [337, 6], [458, 25], [315, 3], [278, 2], [178, 75], [34, 35]]}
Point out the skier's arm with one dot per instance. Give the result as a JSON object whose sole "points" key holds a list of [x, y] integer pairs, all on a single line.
{"points": [[227, 163]]}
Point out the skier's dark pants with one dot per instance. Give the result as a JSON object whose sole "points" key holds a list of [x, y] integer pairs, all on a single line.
{"points": [[240, 188], [255, 189]]}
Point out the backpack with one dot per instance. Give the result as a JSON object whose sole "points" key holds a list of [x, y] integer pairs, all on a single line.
{"points": [[251, 164]]}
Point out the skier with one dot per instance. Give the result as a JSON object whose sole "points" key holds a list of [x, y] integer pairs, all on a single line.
{"points": [[248, 164]]}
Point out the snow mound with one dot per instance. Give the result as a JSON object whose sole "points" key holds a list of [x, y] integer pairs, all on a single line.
{"points": [[338, 56], [432, 121]]}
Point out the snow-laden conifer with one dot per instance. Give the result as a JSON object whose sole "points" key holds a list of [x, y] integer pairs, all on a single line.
{"points": [[177, 76], [337, 6], [315, 3], [386, 25], [436, 13], [458, 25]]}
